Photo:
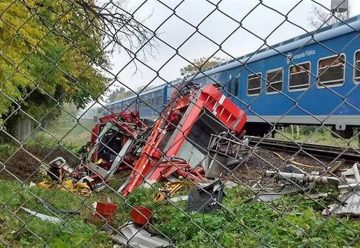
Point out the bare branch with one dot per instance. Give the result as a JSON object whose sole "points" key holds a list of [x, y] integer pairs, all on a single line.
{"points": [[321, 17]]}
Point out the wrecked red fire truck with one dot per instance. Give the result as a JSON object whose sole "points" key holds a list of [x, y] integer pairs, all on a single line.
{"points": [[175, 145]]}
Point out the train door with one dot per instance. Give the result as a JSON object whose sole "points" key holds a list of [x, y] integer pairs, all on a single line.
{"points": [[232, 86]]}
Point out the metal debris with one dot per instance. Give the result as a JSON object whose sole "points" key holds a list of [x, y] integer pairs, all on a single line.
{"points": [[274, 194], [58, 169], [169, 190], [349, 198], [138, 237], [179, 198], [225, 152], [230, 184], [67, 185], [206, 198], [302, 178], [141, 215], [348, 204], [291, 180], [43, 217], [104, 211], [112, 147], [316, 196]]}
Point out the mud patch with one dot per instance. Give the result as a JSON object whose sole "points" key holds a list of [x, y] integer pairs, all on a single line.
{"points": [[261, 160], [24, 164]]}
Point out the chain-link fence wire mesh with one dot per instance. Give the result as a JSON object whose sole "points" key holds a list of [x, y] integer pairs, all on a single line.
{"points": [[57, 52]]}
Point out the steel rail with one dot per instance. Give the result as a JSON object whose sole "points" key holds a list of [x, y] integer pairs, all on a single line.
{"points": [[323, 151]]}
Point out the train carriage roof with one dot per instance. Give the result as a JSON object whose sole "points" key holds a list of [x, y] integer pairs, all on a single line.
{"points": [[337, 29], [155, 89]]}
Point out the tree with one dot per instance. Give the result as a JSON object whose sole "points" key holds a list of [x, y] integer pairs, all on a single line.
{"points": [[53, 52], [321, 18], [200, 64]]}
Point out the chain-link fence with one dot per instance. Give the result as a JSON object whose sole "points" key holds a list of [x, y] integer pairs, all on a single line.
{"points": [[103, 144]]}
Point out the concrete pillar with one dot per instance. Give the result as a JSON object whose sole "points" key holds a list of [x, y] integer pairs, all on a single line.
{"points": [[23, 128]]}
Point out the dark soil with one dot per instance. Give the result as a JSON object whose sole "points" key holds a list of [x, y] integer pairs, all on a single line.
{"points": [[24, 164], [261, 160]]}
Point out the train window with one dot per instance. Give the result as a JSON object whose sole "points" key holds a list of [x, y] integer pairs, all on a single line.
{"points": [[299, 76], [331, 70], [357, 67], [254, 84], [274, 80]]}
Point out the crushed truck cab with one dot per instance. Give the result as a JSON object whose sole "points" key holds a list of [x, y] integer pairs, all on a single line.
{"points": [[177, 144]]}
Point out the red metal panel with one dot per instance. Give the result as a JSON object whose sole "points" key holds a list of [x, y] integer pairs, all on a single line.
{"points": [[155, 167], [227, 112]]}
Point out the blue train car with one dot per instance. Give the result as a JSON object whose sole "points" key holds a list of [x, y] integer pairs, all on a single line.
{"points": [[312, 79], [152, 102], [149, 103]]}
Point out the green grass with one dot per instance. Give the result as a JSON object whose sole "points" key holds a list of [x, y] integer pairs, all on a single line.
{"points": [[295, 223], [291, 221], [315, 135], [69, 133], [19, 228], [6, 150]]}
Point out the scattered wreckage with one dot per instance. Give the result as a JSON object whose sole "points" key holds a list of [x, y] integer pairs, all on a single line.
{"points": [[180, 143], [113, 146], [294, 180], [349, 198], [139, 236], [199, 135]]}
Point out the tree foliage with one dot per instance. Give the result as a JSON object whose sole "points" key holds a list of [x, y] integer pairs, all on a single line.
{"points": [[200, 64], [47, 57], [54, 51]]}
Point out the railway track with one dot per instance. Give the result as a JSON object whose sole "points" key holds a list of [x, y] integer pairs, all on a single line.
{"points": [[320, 151]]}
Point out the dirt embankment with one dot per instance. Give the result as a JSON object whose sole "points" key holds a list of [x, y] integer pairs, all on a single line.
{"points": [[24, 164], [261, 160]]}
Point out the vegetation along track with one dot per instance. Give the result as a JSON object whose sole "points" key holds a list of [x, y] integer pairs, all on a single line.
{"points": [[323, 151]]}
